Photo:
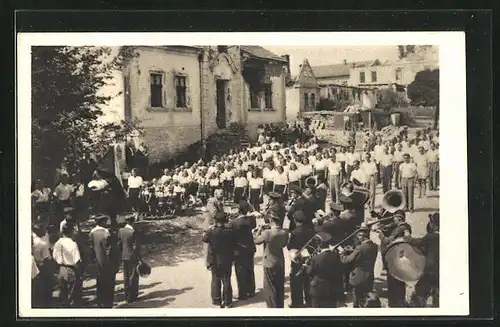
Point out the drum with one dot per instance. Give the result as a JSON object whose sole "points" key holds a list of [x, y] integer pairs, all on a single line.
{"points": [[404, 262]]}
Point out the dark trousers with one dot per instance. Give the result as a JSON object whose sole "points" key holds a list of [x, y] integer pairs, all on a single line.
{"points": [[133, 198], [386, 172], [245, 275], [396, 174], [348, 172], [274, 286], [42, 289], [67, 280], [300, 287], [428, 285], [360, 291], [105, 288], [433, 175], [396, 291], [239, 193], [130, 280], [221, 278], [408, 187], [378, 172]]}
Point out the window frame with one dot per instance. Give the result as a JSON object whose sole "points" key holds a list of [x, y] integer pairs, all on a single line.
{"points": [[373, 74], [162, 101], [177, 79], [398, 74], [362, 77], [267, 94]]}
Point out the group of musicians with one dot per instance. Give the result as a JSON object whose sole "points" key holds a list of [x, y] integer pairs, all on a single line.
{"points": [[341, 260]]}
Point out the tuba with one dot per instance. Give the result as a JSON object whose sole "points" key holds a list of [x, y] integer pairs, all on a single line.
{"points": [[312, 181], [393, 201], [405, 262]]}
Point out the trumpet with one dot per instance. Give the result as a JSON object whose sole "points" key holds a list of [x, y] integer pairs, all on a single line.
{"points": [[257, 230]]}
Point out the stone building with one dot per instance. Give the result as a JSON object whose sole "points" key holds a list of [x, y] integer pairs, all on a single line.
{"points": [[183, 94], [303, 95]]}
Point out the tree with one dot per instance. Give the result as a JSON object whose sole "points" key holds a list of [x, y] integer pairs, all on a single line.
{"points": [[67, 104], [424, 90], [407, 50]]}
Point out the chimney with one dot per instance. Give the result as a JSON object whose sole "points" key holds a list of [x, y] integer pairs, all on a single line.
{"points": [[345, 61]]}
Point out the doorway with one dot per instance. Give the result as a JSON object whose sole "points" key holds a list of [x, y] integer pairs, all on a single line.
{"points": [[221, 104]]}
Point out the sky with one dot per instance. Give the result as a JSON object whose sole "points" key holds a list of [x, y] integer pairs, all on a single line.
{"points": [[329, 55]]}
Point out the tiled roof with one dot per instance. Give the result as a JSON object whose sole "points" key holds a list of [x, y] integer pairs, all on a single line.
{"points": [[324, 71], [260, 52]]}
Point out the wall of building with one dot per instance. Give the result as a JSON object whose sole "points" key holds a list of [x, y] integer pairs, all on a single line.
{"points": [[292, 103], [303, 91], [167, 130]]}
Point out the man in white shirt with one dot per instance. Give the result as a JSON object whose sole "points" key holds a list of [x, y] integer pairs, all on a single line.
{"points": [[350, 157], [334, 173], [134, 188], [67, 256], [42, 284], [370, 169], [385, 162], [358, 175], [62, 194], [408, 173], [378, 151], [397, 159], [433, 157], [422, 161]]}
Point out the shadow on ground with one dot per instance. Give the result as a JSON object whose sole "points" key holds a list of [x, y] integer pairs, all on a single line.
{"points": [[155, 299]]}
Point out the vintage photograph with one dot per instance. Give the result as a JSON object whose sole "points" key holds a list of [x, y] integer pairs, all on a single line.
{"points": [[235, 176]]}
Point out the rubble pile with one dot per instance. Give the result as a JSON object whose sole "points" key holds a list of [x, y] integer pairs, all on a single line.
{"points": [[390, 131]]}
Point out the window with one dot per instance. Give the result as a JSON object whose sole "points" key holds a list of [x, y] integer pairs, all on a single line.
{"points": [[254, 97], [268, 96], [180, 91], [156, 83], [306, 101], [398, 74], [361, 77], [374, 76], [313, 101]]}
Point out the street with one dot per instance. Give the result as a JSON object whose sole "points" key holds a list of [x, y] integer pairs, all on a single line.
{"points": [[179, 278]]}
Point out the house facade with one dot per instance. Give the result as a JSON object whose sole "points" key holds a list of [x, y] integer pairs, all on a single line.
{"points": [[183, 94], [304, 95]]}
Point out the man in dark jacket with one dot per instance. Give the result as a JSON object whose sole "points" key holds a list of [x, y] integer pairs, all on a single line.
{"points": [[244, 251], [101, 246], [299, 285], [428, 284], [221, 239], [362, 262], [130, 255], [277, 206]]}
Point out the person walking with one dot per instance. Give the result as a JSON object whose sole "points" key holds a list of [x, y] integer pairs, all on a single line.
{"points": [[129, 246]]}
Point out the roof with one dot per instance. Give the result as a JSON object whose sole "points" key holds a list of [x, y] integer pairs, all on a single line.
{"points": [[260, 52], [336, 70]]}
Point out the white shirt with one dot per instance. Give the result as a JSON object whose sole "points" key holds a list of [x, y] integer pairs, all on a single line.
{"points": [[340, 156], [385, 160], [40, 249], [422, 162], [66, 252], [408, 169], [369, 168], [179, 189], [306, 170], [165, 178], [184, 180], [334, 168], [34, 268], [312, 160], [214, 182], [294, 175], [256, 183], [320, 165], [378, 151], [351, 157], [281, 179], [359, 175], [63, 192], [413, 151], [63, 223], [240, 182], [135, 182], [425, 144], [269, 174], [433, 155], [397, 156]]}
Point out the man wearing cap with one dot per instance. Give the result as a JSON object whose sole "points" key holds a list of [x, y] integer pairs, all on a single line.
{"points": [[130, 256], [277, 206], [274, 240], [67, 256], [222, 241], [408, 173], [244, 251], [101, 247], [326, 271], [428, 284], [299, 285], [362, 262], [68, 212], [295, 204], [396, 289]]}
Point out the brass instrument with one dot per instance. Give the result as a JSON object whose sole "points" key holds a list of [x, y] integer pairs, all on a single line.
{"points": [[312, 181], [393, 201], [405, 262]]}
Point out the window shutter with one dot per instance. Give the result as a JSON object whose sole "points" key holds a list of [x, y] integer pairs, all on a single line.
{"points": [[188, 93], [174, 88]]}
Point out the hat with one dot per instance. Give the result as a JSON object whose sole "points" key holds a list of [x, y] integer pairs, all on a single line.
{"points": [[299, 216], [274, 195], [129, 217], [336, 206], [296, 189], [220, 217], [400, 213], [344, 199], [101, 218], [68, 210]]}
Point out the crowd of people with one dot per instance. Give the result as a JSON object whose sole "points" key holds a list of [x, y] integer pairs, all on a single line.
{"points": [[295, 176]]}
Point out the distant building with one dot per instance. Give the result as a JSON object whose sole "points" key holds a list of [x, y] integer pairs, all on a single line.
{"points": [[182, 94], [303, 95]]}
